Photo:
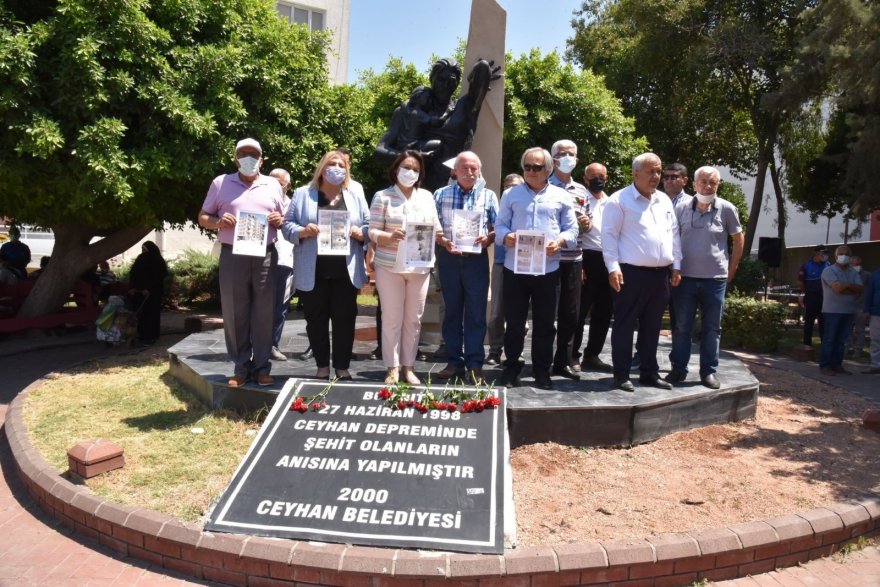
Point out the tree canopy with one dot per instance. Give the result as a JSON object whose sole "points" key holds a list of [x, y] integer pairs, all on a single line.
{"points": [[696, 75], [547, 100], [835, 77], [118, 114]]}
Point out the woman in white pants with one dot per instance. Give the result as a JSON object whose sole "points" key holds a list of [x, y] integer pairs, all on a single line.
{"points": [[402, 288]]}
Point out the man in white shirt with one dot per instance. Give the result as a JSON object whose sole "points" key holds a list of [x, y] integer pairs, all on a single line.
{"points": [[283, 273], [640, 245], [595, 291]]}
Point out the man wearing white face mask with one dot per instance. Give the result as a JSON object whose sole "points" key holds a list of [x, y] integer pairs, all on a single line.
{"points": [[704, 223], [841, 286], [247, 283], [564, 155]]}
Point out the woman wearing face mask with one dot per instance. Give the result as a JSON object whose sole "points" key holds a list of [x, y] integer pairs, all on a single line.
{"points": [[329, 283], [402, 290]]}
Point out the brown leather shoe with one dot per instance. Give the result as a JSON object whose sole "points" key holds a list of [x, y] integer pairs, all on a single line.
{"points": [[450, 371], [265, 380], [237, 381], [474, 376]]}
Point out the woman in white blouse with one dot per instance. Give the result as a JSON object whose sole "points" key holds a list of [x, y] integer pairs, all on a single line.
{"points": [[402, 286]]}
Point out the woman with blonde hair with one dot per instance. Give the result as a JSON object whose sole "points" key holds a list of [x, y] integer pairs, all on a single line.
{"points": [[402, 289], [329, 283]]}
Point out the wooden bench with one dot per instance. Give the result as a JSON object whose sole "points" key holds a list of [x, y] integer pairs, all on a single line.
{"points": [[80, 309]]}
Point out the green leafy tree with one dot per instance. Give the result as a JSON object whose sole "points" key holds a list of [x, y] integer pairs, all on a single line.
{"points": [[547, 100], [835, 77], [117, 115], [707, 67]]}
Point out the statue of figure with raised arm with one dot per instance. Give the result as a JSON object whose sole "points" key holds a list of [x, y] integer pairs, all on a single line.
{"points": [[434, 124]]}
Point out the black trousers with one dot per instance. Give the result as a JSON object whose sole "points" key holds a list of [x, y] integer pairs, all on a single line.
{"points": [[642, 299], [148, 319], [331, 302], [812, 313], [596, 302], [567, 311], [540, 292]]}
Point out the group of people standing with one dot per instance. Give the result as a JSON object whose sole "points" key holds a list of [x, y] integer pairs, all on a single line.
{"points": [[623, 256], [843, 298]]}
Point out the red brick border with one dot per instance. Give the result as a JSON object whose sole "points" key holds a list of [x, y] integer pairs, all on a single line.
{"points": [[668, 560]]}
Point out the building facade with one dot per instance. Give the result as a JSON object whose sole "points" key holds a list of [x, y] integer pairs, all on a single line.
{"points": [[333, 15]]}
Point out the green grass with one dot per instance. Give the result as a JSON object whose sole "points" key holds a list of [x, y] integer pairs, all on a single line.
{"points": [[169, 465]]}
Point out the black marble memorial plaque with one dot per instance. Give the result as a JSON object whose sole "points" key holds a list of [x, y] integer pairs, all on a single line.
{"points": [[359, 472]]}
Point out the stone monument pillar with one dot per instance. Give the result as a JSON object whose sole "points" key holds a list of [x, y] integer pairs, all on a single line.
{"points": [[486, 40]]}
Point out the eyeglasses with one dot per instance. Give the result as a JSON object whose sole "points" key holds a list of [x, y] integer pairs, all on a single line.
{"points": [[533, 168], [670, 177]]}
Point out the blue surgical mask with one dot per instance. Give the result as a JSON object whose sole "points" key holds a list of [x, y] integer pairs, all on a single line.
{"points": [[843, 259], [335, 175], [249, 166]]}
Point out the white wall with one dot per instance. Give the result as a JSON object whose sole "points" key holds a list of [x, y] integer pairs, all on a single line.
{"points": [[799, 231]]}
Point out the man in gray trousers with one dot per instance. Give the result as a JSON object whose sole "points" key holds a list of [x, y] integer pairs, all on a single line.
{"points": [[247, 271]]}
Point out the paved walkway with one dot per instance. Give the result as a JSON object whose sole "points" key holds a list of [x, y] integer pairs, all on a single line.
{"points": [[37, 551]]}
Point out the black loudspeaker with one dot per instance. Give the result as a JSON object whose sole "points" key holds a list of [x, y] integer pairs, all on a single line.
{"points": [[770, 251]]}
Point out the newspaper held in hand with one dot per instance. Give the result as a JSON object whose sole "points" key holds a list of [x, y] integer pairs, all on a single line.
{"points": [[467, 227], [335, 226], [418, 244], [530, 255], [251, 234]]}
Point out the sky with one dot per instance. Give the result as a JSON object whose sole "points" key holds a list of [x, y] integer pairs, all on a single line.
{"points": [[414, 31]]}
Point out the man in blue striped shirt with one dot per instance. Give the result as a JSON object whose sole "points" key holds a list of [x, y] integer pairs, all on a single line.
{"points": [[467, 211]]}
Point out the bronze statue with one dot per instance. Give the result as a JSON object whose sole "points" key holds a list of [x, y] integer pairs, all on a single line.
{"points": [[432, 123]]}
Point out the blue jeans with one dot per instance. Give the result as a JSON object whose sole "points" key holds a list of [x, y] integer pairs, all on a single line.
{"points": [[707, 295], [464, 281], [834, 337]]}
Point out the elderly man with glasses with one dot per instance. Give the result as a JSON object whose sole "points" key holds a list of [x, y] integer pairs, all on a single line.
{"points": [[704, 222], [535, 205]]}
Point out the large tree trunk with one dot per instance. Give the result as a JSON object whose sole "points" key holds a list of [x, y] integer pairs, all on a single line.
{"points": [[782, 216], [757, 199], [71, 257]]}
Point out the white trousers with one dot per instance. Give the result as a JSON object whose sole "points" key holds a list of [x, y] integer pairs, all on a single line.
{"points": [[403, 303]]}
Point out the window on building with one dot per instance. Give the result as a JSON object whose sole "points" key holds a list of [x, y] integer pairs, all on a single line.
{"points": [[313, 19]]}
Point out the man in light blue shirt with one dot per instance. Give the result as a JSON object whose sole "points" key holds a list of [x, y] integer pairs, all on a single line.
{"points": [[533, 206]]}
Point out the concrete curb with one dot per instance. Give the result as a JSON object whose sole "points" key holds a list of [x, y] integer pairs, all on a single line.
{"points": [[667, 560]]}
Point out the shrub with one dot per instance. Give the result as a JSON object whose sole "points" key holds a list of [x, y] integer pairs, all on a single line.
{"points": [[749, 277], [752, 324], [195, 280]]}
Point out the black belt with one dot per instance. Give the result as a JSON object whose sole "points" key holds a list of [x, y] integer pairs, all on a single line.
{"points": [[592, 252], [664, 268]]}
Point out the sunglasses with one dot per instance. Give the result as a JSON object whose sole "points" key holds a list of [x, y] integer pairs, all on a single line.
{"points": [[534, 168], [671, 177]]}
